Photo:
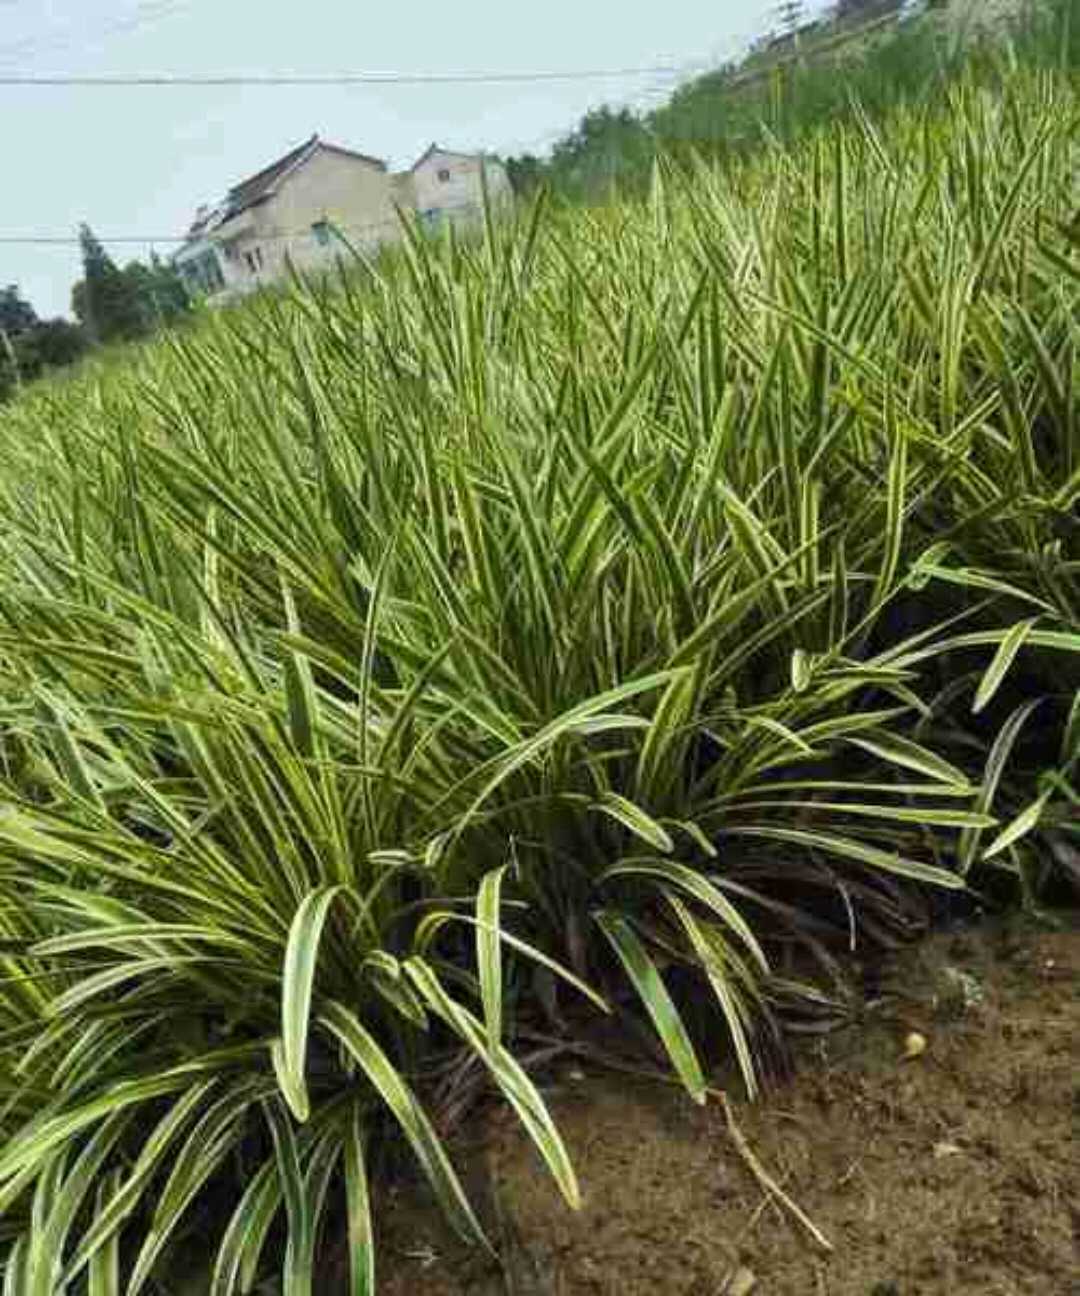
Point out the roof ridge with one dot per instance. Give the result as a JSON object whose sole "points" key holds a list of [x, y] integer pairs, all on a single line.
{"points": [[261, 184], [289, 156]]}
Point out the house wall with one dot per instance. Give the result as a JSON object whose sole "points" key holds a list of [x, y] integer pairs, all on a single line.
{"points": [[404, 191], [448, 185], [329, 189], [244, 233], [352, 195]]}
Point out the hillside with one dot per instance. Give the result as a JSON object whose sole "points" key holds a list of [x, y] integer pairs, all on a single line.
{"points": [[879, 54]]}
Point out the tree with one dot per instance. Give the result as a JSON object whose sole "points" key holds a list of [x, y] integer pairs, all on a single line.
{"points": [[29, 346], [55, 342], [526, 174], [33, 352], [610, 144], [16, 317], [121, 305], [16, 314], [105, 301], [159, 291]]}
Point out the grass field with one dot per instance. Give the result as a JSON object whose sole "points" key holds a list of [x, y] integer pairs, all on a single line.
{"points": [[560, 623]]}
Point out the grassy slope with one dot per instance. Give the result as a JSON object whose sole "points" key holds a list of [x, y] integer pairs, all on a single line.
{"points": [[622, 582], [781, 96]]}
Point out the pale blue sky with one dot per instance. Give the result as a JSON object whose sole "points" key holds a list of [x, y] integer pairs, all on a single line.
{"points": [[138, 161]]}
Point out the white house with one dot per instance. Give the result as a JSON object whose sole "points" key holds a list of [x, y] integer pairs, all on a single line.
{"points": [[449, 186], [315, 203]]}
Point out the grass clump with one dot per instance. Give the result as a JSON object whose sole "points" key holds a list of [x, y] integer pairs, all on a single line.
{"points": [[569, 621]]}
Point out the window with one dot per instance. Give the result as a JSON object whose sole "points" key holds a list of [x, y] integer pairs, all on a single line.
{"points": [[254, 260], [444, 175], [321, 230]]}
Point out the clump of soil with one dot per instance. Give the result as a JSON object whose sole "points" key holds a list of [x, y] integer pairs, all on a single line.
{"points": [[954, 1171]]}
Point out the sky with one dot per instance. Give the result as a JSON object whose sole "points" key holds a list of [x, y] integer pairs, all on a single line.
{"points": [[137, 161]]}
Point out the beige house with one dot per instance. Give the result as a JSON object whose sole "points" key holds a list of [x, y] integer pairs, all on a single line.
{"points": [[299, 208], [316, 202]]}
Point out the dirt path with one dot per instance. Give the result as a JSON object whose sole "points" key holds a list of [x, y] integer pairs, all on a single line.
{"points": [[954, 1172]]}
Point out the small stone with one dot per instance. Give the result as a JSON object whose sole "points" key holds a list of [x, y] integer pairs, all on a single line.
{"points": [[914, 1045], [741, 1283], [942, 1150]]}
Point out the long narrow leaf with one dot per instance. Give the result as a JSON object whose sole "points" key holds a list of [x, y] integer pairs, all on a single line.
{"points": [[655, 999], [298, 977]]}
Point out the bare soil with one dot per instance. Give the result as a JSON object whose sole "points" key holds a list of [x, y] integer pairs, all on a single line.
{"points": [[956, 1171]]}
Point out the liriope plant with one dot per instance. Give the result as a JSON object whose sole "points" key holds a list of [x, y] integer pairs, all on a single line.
{"points": [[577, 612]]}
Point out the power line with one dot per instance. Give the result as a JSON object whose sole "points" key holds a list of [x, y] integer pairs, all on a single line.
{"points": [[63, 240], [69, 240], [336, 79]]}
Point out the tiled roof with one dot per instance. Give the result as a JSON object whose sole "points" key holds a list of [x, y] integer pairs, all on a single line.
{"points": [[250, 191], [261, 185]]}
